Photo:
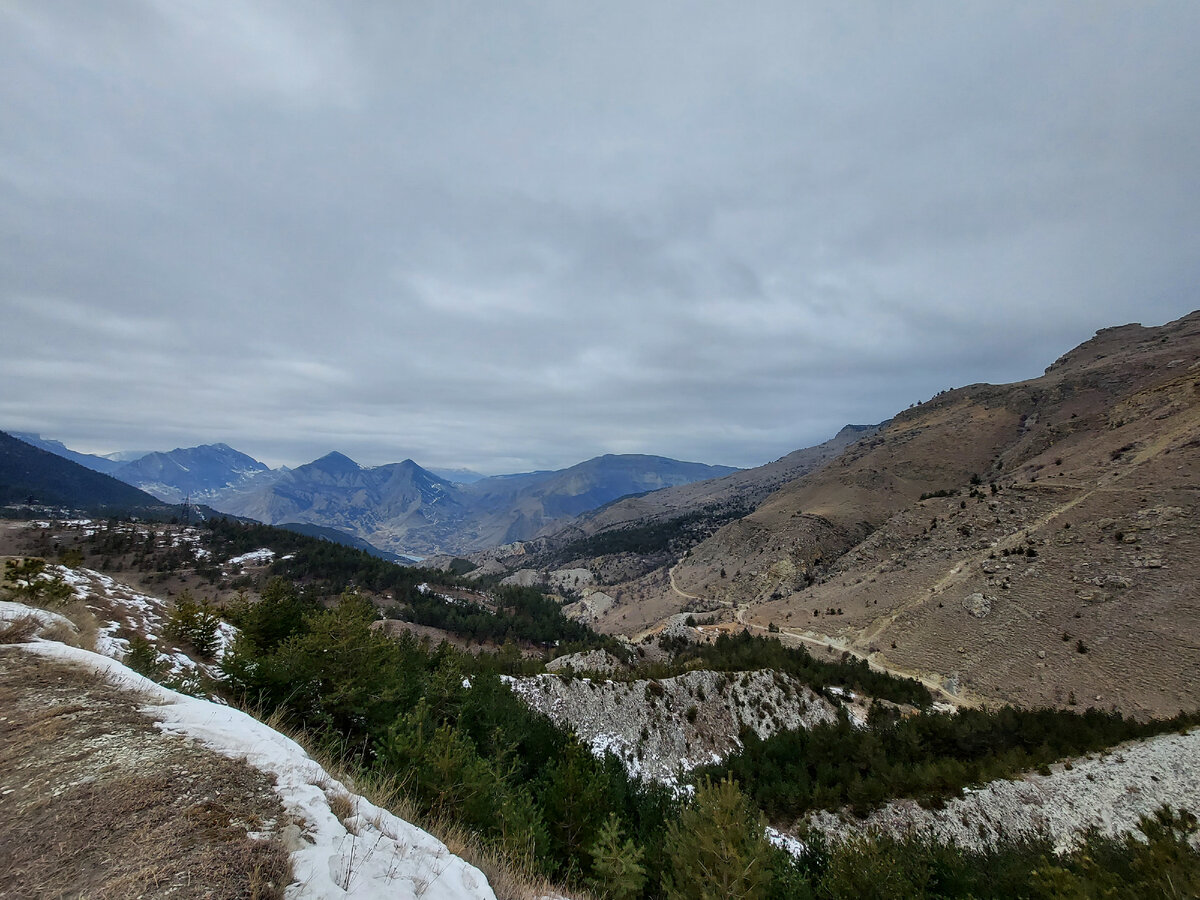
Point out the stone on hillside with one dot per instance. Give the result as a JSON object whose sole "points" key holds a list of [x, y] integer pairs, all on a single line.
{"points": [[523, 578], [977, 605]]}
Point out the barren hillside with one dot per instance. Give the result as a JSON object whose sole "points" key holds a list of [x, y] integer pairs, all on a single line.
{"points": [[1034, 542], [1073, 581]]}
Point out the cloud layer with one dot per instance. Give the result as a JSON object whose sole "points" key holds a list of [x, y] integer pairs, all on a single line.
{"points": [[515, 236]]}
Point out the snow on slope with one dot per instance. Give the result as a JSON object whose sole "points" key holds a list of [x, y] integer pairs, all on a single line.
{"points": [[122, 609], [372, 854], [1110, 791], [15, 612]]}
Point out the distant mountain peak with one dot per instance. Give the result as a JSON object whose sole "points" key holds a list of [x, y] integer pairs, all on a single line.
{"points": [[334, 462]]}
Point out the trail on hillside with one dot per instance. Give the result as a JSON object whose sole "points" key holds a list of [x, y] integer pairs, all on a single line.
{"points": [[965, 565], [676, 588], [838, 645]]}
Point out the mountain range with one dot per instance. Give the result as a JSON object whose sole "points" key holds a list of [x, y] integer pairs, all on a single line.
{"points": [[32, 475], [400, 508], [404, 508], [1035, 542]]}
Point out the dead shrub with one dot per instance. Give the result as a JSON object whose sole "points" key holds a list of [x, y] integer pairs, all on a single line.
{"points": [[19, 630]]}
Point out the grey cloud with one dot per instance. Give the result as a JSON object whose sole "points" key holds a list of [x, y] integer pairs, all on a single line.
{"points": [[516, 236]]}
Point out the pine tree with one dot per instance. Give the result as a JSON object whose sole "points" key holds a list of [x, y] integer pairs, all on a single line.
{"points": [[617, 870], [193, 623], [143, 658], [717, 849]]}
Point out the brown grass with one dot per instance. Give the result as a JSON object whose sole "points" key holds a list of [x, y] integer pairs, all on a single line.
{"points": [[98, 803], [19, 630], [84, 619]]}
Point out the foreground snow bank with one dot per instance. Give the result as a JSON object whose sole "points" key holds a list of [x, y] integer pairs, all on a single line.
{"points": [[371, 854]]}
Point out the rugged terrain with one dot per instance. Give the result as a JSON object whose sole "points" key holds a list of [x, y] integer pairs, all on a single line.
{"points": [[1072, 583], [1033, 542], [399, 509], [406, 509], [116, 786], [660, 728], [632, 542], [657, 728], [1107, 791], [29, 473], [745, 489]]}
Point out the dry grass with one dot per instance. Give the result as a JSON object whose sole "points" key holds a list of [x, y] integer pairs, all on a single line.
{"points": [[84, 619], [512, 878], [27, 627], [19, 630], [341, 805], [98, 803]]}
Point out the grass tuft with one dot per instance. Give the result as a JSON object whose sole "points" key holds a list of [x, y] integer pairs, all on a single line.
{"points": [[19, 630]]}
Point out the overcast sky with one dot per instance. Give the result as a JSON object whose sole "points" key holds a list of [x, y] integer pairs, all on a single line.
{"points": [[517, 235]]}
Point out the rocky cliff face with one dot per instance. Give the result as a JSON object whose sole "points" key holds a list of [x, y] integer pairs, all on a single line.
{"points": [[660, 728], [1109, 791]]}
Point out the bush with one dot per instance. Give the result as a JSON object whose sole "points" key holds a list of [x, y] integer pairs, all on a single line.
{"points": [[143, 658], [27, 581], [194, 623]]}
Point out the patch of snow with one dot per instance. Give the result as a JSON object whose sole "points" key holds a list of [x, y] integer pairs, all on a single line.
{"points": [[254, 558], [372, 854], [122, 608], [15, 612], [783, 841]]}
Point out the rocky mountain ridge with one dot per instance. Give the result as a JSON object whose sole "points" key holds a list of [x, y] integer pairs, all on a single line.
{"points": [[201, 473], [659, 728], [402, 507], [405, 508]]}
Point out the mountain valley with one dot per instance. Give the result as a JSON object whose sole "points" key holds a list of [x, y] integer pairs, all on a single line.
{"points": [[839, 632]]}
